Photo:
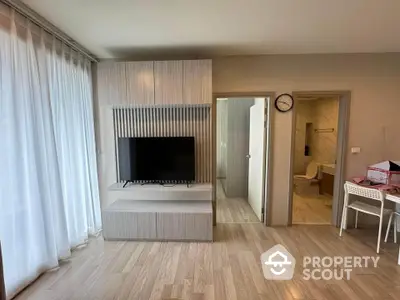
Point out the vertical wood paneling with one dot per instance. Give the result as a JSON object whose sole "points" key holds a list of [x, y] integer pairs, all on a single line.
{"points": [[197, 81], [200, 125], [112, 74], [124, 123], [172, 120], [115, 120], [168, 82], [131, 118], [119, 115], [198, 140], [140, 82], [159, 82], [211, 146]]}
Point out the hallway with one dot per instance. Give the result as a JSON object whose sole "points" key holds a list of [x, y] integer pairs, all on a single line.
{"points": [[233, 210]]}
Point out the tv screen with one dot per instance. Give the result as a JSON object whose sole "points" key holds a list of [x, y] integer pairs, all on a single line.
{"points": [[157, 159]]}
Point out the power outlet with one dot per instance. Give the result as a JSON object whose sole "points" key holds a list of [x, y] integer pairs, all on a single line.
{"points": [[355, 150]]}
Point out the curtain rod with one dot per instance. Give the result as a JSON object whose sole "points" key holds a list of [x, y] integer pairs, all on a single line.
{"points": [[34, 17]]}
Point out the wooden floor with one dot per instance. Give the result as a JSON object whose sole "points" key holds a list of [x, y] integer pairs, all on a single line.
{"points": [[311, 209], [229, 268], [233, 210]]}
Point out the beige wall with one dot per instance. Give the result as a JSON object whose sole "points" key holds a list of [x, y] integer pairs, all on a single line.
{"points": [[374, 82], [322, 114]]}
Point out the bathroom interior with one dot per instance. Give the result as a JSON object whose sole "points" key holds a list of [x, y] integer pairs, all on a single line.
{"points": [[314, 159]]}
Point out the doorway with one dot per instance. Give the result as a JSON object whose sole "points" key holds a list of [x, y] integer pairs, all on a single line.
{"points": [[240, 167], [320, 126]]}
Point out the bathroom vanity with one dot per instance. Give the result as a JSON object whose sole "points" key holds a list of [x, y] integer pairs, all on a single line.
{"points": [[327, 179]]}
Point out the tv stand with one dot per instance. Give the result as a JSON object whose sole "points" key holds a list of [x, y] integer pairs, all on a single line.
{"points": [[126, 182], [153, 212], [148, 182], [164, 184], [162, 220], [152, 191]]}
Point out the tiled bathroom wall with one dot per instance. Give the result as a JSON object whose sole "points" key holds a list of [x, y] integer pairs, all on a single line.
{"points": [[303, 116], [326, 113], [323, 114]]}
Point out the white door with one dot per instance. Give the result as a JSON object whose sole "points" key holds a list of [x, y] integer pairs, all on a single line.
{"points": [[257, 156]]}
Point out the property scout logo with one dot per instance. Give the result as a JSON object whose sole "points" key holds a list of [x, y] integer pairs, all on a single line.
{"points": [[279, 264]]}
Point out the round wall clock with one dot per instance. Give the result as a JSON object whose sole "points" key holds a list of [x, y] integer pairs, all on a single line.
{"points": [[284, 102]]}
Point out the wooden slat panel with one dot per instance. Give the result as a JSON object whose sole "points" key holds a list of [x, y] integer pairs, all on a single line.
{"points": [[129, 225], [140, 82], [112, 82], [161, 220], [185, 226], [115, 120], [168, 82], [171, 120], [197, 81]]}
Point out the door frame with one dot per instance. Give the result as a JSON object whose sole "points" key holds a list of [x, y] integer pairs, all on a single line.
{"points": [[342, 141], [270, 97]]}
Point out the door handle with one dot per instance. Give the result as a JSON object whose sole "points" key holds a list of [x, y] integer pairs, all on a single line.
{"points": [[248, 156]]}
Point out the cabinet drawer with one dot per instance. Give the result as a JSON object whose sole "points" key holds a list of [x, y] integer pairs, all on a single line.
{"points": [[326, 184], [129, 225]]}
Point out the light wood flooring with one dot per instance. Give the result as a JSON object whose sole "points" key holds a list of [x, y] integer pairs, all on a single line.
{"points": [[311, 209], [233, 210], [228, 269]]}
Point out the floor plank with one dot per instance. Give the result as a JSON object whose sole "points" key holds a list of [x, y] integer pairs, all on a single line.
{"points": [[229, 268], [311, 209], [233, 210]]}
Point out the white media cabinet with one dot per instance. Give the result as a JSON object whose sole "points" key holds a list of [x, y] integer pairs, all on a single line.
{"points": [[197, 191], [156, 212]]}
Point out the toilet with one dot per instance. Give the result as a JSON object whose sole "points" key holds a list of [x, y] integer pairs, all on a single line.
{"points": [[308, 183]]}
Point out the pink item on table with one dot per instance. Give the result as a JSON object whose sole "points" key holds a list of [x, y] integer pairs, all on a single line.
{"points": [[385, 172], [365, 182], [358, 179]]}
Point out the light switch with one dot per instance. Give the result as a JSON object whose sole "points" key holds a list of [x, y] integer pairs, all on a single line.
{"points": [[355, 150]]}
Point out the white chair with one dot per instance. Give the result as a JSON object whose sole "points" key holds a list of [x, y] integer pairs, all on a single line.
{"points": [[359, 206], [395, 214]]}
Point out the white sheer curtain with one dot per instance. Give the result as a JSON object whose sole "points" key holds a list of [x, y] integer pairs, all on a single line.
{"points": [[49, 199]]}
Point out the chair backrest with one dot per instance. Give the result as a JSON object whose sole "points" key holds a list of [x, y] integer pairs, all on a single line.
{"points": [[312, 169], [362, 191]]}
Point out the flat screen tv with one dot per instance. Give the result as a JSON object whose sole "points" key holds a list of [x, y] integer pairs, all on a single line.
{"points": [[157, 159]]}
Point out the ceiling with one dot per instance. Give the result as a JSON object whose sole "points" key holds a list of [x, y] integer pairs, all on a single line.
{"points": [[208, 28]]}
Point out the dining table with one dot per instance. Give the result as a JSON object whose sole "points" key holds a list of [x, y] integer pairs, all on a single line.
{"points": [[389, 195]]}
